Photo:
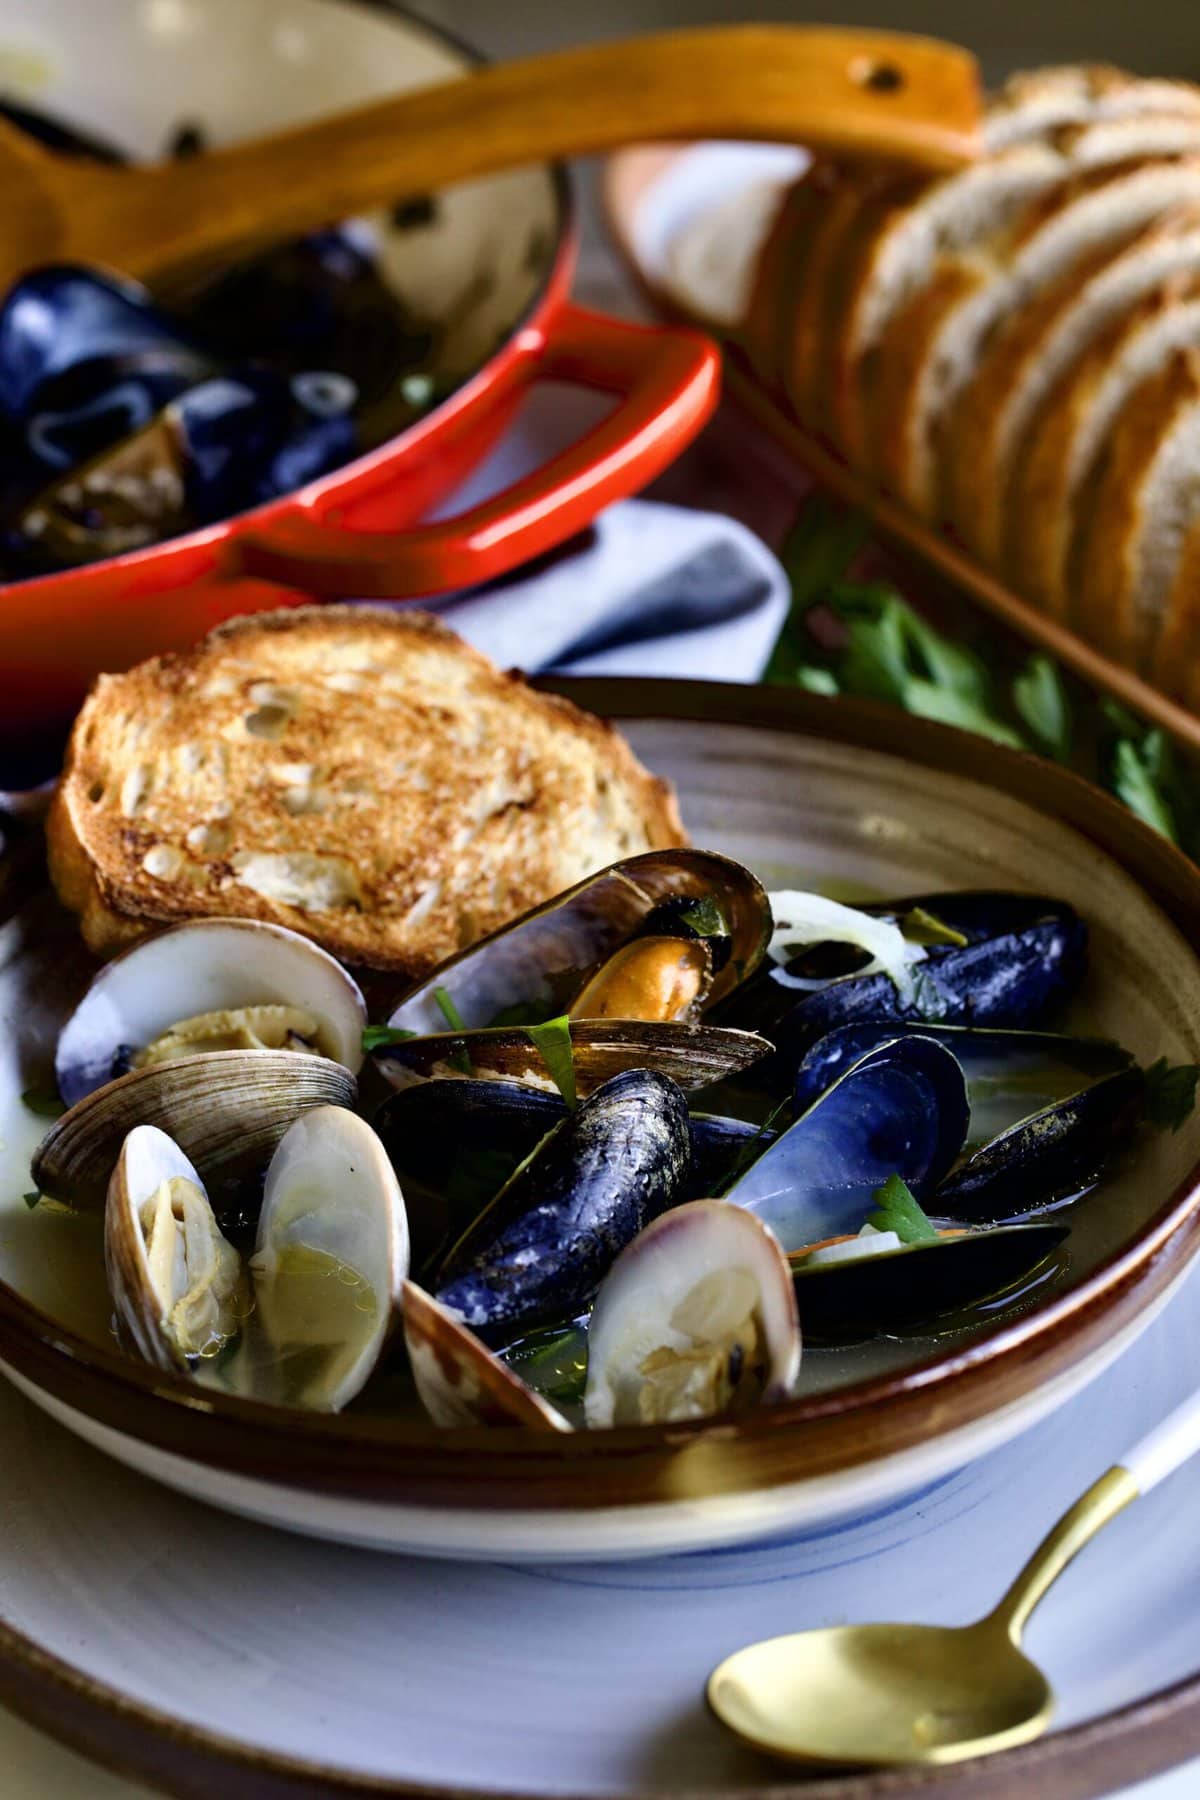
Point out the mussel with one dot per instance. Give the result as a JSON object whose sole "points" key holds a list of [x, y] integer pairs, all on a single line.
{"points": [[330, 1260], [538, 1251], [178, 1288], [213, 984], [459, 1380], [697, 1317], [903, 1286], [1046, 1111], [227, 1110], [658, 937], [899, 1110], [974, 959], [693, 1056]]}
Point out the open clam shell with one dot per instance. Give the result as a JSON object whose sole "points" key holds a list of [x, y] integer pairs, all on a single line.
{"points": [[227, 1110], [178, 1288], [694, 1056], [210, 966], [899, 1110], [330, 1260], [459, 1380], [543, 959], [697, 1317]]}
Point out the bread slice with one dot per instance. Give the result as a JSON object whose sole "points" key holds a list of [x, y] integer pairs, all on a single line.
{"points": [[939, 338], [1037, 134], [1177, 659], [1028, 354], [1136, 515], [779, 273], [361, 775], [1066, 437]]}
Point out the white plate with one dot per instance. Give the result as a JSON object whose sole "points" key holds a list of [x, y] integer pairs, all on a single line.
{"points": [[576, 1679]]}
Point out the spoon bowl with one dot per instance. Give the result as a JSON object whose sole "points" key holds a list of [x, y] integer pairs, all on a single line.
{"points": [[862, 1695]]}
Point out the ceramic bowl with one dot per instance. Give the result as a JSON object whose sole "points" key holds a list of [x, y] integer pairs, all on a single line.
{"points": [[805, 791]]}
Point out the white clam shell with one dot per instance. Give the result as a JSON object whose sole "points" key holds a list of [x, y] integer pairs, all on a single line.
{"points": [[330, 1260], [227, 1109], [208, 965], [458, 1379], [148, 1159], [705, 1242]]}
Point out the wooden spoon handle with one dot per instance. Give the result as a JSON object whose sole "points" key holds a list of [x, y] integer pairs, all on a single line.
{"points": [[859, 93]]}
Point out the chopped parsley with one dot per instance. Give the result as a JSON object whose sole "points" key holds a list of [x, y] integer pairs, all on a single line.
{"points": [[897, 1209], [552, 1041]]}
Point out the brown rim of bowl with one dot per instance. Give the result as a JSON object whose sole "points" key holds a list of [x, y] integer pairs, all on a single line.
{"points": [[366, 1458]]}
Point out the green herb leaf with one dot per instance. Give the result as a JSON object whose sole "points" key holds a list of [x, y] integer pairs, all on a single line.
{"points": [[1041, 701], [1170, 1093], [950, 706], [554, 1362], [553, 1043], [815, 680], [32, 1199], [1135, 783], [375, 1037], [448, 1010], [46, 1102], [922, 927], [705, 917], [896, 1209], [820, 548]]}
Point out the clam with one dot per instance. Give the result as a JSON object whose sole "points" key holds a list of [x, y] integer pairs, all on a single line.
{"points": [[697, 1317], [978, 959], [459, 1380], [538, 1251], [693, 1056], [660, 936], [214, 984], [227, 1110], [330, 1260], [178, 1287], [897, 1287], [899, 1110]]}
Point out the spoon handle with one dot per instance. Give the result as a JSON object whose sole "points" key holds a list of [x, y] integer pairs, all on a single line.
{"points": [[1158, 1455]]}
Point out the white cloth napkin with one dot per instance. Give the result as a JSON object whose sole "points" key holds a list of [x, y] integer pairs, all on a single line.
{"points": [[651, 589]]}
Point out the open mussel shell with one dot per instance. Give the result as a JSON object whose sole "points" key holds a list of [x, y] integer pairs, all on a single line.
{"points": [[1024, 957], [918, 1284], [178, 1288], [207, 967], [900, 1110], [1010, 1074], [330, 1260], [697, 1317], [539, 1250], [1051, 1155], [227, 1110], [542, 960], [693, 1056], [459, 1380]]}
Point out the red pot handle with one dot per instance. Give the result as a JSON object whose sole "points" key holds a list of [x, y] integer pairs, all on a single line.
{"points": [[668, 381]]}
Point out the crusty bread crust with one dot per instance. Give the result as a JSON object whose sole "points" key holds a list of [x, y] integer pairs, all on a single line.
{"points": [[1177, 660], [359, 774]]}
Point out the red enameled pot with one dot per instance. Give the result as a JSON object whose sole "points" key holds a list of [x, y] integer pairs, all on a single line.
{"points": [[494, 258]]}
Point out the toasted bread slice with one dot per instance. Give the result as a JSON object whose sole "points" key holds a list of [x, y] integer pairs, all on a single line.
{"points": [[1177, 659], [361, 775], [1070, 430]]}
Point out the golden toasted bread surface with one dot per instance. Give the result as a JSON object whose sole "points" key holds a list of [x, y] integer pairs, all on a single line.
{"points": [[361, 775]]}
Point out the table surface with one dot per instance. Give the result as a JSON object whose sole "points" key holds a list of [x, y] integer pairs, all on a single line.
{"points": [[721, 471]]}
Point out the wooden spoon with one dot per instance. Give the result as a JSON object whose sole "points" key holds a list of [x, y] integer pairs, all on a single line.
{"points": [[859, 93]]}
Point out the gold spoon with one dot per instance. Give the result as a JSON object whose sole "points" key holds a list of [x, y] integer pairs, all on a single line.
{"points": [[859, 93], [874, 1695]]}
